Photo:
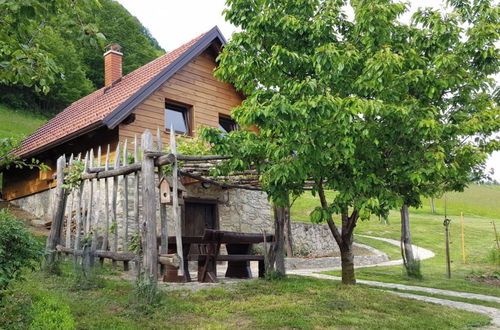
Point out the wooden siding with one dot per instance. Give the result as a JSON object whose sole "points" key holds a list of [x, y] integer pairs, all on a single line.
{"points": [[194, 86], [23, 182]]}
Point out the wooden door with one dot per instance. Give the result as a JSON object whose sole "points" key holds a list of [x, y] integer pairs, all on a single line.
{"points": [[199, 215]]}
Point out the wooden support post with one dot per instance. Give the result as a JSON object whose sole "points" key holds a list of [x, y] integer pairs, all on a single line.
{"points": [[114, 219], [79, 217], [496, 235], [58, 211], [447, 242], [125, 205], [163, 212], [136, 188], [96, 222], [150, 250], [69, 218], [175, 203], [105, 242], [462, 232], [90, 194]]}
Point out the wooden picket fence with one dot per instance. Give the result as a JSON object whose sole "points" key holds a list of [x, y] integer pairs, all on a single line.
{"points": [[86, 218]]}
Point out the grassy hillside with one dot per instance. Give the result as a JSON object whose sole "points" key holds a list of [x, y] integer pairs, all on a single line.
{"points": [[18, 122], [480, 205], [477, 200]]}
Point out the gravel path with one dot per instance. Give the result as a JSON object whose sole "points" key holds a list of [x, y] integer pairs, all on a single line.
{"points": [[494, 313], [421, 254]]}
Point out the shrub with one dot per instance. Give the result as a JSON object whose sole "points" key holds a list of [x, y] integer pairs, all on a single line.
{"points": [[413, 269], [493, 256], [15, 311], [18, 250], [146, 290], [49, 314]]}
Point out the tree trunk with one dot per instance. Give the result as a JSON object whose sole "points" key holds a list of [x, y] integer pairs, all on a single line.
{"points": [[347, 259], [288, 234], [279, 226], [406, 247]]}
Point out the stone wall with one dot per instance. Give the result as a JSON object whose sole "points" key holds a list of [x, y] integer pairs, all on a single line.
{"points": [[40, 204], [239, 210], [313, 239]]}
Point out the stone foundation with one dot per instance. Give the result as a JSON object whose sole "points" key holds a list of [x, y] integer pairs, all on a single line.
{"points": [[239, 210], [313, 239]]}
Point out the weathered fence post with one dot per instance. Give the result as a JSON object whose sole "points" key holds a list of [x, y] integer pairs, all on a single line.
{"points": [[150, 250], [175, 203], [58, 213], [163, 213]]}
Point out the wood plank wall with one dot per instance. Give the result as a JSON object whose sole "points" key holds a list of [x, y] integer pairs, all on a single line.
{"points": [[194, 86], [23, 182]]}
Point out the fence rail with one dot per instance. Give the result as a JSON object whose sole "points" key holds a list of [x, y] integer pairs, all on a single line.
{"points": [[98, 201]]}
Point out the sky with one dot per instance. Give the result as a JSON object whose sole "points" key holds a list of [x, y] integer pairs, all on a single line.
{"points": [[175, 22]]}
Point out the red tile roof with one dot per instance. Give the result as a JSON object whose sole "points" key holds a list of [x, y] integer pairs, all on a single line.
{"points": [[93, 108]]}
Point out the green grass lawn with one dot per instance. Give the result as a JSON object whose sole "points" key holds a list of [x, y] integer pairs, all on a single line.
{"points": [[481, 206], [476, 200], [392, 251], [296, 302], [18, 122]]}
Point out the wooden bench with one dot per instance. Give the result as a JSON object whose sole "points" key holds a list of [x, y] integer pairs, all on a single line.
{"points": [[239, 255]]}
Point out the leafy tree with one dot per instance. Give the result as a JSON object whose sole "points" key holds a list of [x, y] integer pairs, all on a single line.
{"points": [[10, 159], [119, 26], [380, 111], [18, 250], [55, 58], [23, 59]]}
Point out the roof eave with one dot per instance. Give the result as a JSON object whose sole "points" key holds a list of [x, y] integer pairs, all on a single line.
{"points": [[64, 139], [128, 106]]}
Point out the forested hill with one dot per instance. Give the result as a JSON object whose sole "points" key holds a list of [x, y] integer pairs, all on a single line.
{"points": [[78, 61]]}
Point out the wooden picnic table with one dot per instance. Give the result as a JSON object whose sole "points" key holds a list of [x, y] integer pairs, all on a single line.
{"points": [[238, 246]]}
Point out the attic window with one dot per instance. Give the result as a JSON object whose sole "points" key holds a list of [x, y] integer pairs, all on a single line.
{"points": [[177, 116], [226, 124]]}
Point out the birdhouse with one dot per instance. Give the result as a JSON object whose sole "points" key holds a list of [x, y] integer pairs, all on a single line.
{"points": [[166, 191]]}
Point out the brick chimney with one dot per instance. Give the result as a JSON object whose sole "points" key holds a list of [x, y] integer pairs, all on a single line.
{"points": [[112, 64]]}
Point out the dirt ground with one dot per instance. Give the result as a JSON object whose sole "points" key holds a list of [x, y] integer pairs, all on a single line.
{"points": [[32, 222]]}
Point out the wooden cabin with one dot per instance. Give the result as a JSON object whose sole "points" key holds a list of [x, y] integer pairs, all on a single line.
{"points": [[178, 88]]}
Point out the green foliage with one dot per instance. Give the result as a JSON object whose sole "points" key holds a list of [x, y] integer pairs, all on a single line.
{"points": [[135, 245], [73, 176], [18, 250], [51, 314], [412, 269], [146, 291], [274, 275], [119, 26], [85, 278], [493, 256], [8, 157], [187, 145], [51, 51], [15, 312], [23, 31]]}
